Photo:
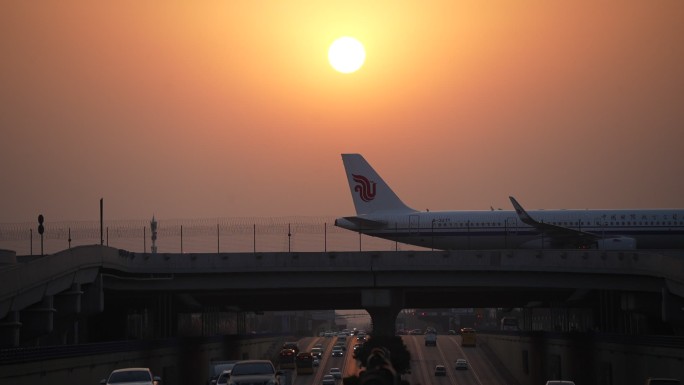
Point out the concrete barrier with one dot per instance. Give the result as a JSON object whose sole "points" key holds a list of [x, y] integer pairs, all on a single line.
{"points": [[584, 358], [8, 257], [177, 362]]}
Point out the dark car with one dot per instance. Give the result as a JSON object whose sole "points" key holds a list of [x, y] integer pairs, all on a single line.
{"points": [[291, 345], [137, 376]]}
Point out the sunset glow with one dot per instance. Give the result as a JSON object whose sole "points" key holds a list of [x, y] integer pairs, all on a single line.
{"points": [[232, 108]]}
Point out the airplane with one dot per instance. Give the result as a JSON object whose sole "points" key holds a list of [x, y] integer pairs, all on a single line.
{"points": [[381, 213]]}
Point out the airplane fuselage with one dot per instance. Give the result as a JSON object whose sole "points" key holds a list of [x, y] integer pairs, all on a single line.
{"points": [[619, 229]]}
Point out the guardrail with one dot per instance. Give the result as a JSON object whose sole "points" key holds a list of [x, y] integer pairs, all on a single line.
{"points": [[662, 341], [42, 353]]}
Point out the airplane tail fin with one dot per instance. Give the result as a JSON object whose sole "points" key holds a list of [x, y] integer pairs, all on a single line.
{"points": [[370, 192]]}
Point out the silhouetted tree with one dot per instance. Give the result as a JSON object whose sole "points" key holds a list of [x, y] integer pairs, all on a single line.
{"points": [[399, 356]]}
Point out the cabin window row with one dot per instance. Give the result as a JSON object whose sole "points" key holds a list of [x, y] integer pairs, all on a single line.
{"points": [[598, 223]]}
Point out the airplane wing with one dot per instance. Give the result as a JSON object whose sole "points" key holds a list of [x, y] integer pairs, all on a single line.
{"points": [[560, 235]]}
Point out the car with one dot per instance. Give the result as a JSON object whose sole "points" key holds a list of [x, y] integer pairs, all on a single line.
{"points": [[461, 364], [415, 332], [137, 376], [337, 352], [440, 370], [328, 379], [222, 379], [291, 345], [452, 332], [216, 368], [316, 352], [559, 382], [254, 372], [336, 373], [430, 339], [316, 362]]}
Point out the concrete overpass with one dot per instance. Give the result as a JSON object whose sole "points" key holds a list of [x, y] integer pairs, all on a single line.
{"points": [[56, 294]]}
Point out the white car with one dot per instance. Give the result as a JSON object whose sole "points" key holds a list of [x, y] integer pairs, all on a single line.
{"points": [[461, 364], [328, 380], [131, 376], [317, 352], [336, 373], [254, 372]]}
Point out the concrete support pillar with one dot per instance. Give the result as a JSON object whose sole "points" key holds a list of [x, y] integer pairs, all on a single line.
{"points": [[10, 327], [71, 335], [384, 320], [383, 305], [38, 320], [68, 307], [165, 317], [92, 299], [241, 323], [672, 307], [69, 302], [66, 330], [609, 311]]}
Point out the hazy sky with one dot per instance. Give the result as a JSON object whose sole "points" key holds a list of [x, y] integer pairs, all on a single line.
{"points": [[192, 109]]}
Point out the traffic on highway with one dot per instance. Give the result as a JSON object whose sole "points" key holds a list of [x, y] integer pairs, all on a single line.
{"points": [[445, 362]]}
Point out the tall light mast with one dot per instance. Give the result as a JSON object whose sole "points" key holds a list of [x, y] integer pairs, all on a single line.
{"points": [[153, 227]]}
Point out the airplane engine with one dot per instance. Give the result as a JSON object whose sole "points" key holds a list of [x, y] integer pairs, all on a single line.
{"points": [[617, 243], [537, 243]]}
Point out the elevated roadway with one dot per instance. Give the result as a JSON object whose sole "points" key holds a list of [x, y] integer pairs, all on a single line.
{"points": [[41, 294]]}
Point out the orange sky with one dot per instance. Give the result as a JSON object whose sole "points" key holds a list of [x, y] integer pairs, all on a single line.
{"points": [[192, 109]]}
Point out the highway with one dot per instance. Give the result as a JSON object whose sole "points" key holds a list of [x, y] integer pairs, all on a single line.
{"points": [[481, 371]]}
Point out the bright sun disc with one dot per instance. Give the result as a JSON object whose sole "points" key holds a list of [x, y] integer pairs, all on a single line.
{"points": [[346, 54]]}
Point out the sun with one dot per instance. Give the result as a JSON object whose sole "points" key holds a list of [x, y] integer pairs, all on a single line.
{"points": [[346, 54]]}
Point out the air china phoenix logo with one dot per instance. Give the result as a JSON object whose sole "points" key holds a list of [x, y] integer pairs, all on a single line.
{"points": [[365, 188]]}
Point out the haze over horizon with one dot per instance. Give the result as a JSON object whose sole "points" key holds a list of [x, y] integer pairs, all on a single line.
{"points": [[230, 109]]}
